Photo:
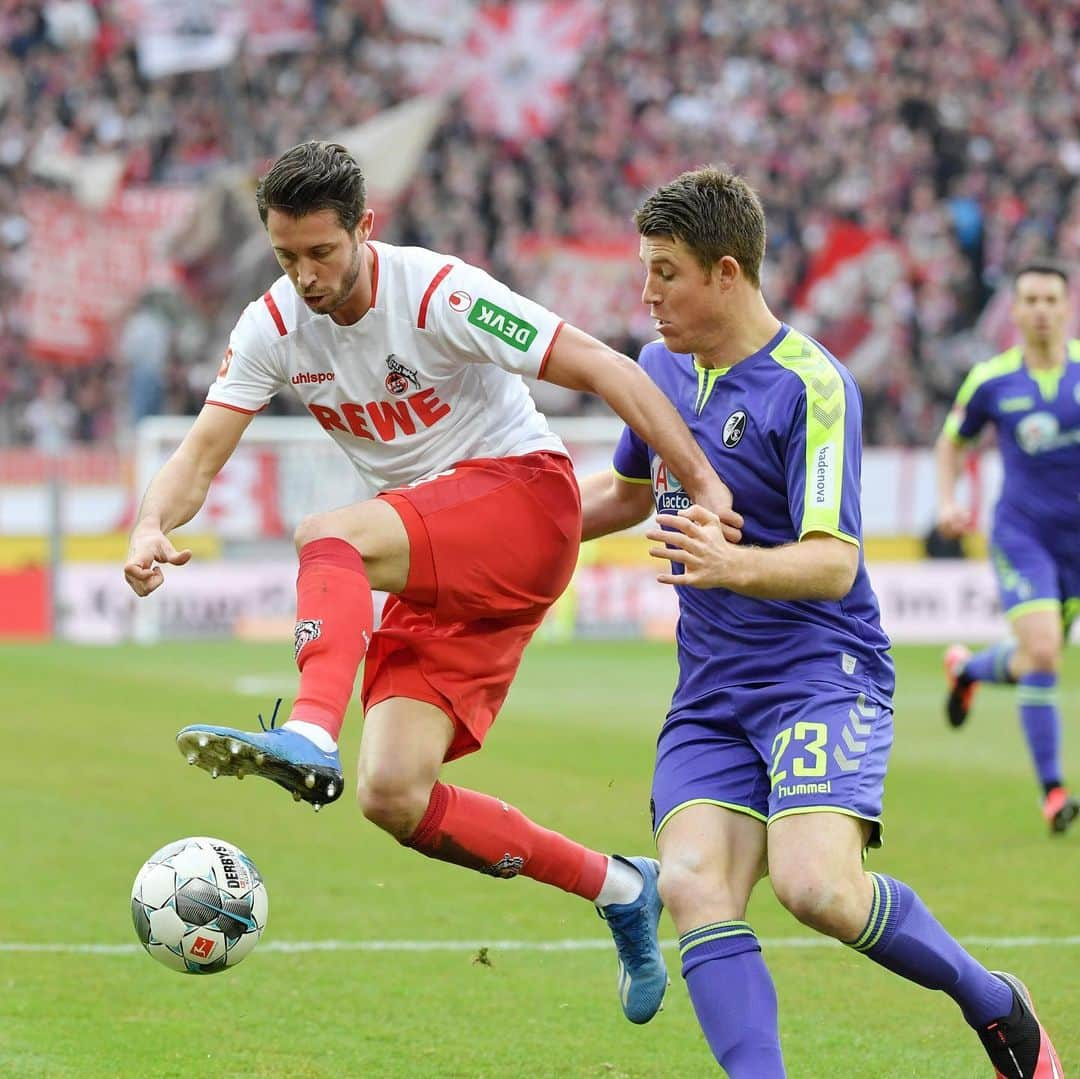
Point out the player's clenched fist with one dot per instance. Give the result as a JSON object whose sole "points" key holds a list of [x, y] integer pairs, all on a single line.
{"points": [[694, 539], [147, 553], [953, 521]]}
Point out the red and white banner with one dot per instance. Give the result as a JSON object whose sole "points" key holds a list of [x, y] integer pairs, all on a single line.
{"points": [[586, 282], [87, 268], [447, 21], [849, 273], [202, 35], [515, 64], [279, 26]]}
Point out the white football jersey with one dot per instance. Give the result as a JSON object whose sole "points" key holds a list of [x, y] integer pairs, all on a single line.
{"points": [[428, 377]]}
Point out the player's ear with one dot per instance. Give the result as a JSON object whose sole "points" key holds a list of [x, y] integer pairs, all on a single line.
{"points": [[365, 225], [726, 271]]}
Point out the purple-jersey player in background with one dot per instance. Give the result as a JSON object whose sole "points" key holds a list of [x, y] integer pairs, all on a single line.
{"points": [[1031, 396], [774, 750]]}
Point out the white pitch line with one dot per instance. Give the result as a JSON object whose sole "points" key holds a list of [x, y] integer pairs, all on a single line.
{"points": [[258, 685], [591, 945]]}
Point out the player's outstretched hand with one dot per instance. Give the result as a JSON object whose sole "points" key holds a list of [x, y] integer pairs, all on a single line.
{"points": [[953, 521], [147, 553], [696, 540]]}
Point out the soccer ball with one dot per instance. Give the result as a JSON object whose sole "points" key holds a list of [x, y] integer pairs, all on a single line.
{"points": [[199, 905]]}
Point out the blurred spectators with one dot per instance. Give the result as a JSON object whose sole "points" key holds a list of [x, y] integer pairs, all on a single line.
{"points": [[909, 155]]}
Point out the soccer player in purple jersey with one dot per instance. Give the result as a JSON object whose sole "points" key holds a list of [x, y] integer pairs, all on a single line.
{"points": [[1031, 395], [772, 757]]}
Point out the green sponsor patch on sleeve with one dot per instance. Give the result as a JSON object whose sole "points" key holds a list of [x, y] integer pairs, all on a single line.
{"points": [[497, 321]]}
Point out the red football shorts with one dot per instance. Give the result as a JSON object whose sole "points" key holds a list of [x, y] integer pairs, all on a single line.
{"points": [[492, 544]]}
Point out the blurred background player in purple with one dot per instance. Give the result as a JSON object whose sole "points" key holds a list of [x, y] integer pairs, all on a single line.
{"points": [[1030, 395]]}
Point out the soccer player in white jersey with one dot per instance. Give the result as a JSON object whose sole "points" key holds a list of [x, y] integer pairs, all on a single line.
{"points": [[410, 360]]}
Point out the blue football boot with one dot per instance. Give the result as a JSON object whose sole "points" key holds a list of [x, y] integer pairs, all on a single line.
{"points": [[289, 759], [643, 977]]}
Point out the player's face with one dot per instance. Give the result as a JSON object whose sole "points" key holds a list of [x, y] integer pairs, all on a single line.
{"points": [[322, 259], [1041, 307], [685, 303]]}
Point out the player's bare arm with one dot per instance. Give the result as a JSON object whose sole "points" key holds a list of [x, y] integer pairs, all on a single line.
{"points": [[610, 504], [818, 567], [952, 519], [580, 362], [177, 493]]}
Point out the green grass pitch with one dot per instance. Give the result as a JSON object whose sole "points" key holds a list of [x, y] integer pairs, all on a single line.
{"points": [[93, 784]]}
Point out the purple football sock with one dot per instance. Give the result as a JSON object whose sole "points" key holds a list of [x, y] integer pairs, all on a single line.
{"points": [[734, 998], [1037, 697], [903, 936], [991, 664]]}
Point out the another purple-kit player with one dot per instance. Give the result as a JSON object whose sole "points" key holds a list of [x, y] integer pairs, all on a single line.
{"points": [[1031, 396], [773, 754]]}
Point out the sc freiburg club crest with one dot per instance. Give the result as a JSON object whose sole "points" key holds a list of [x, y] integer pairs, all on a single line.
{"points": [[733, 428]]}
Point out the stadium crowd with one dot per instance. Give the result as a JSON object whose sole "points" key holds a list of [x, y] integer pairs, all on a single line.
{"points": [[944, 136]]}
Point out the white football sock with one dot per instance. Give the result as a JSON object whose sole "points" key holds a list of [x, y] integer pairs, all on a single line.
{"points": [[622, 884], [313, 733]]}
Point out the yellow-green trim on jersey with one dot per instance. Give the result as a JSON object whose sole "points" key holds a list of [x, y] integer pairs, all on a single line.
{"points": [[1047, 379], [631, 479], [1003, 364], [706, 380], [826, 408]]}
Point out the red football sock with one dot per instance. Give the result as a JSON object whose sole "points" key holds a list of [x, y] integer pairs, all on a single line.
{"points": [[333, 629], [484, 833]]}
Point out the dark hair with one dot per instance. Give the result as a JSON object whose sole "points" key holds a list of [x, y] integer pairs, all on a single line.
{"points": [[311, 177], [715, 213], [1042, 265]]}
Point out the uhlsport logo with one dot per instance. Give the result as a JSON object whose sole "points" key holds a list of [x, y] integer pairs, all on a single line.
{"points": [[734, 426], [459, 300], [310, 629], [823, 477], [315, 378], [401, 377], [668, 491], [499, 322]]}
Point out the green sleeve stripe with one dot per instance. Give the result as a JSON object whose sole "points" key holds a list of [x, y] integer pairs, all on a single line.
{"points": [[826, 409], [846, 537], [1073, 349], [630, 479]]}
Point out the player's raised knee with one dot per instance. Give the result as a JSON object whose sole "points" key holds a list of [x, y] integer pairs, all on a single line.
{"points": [[317, 526], [394, 805]]}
